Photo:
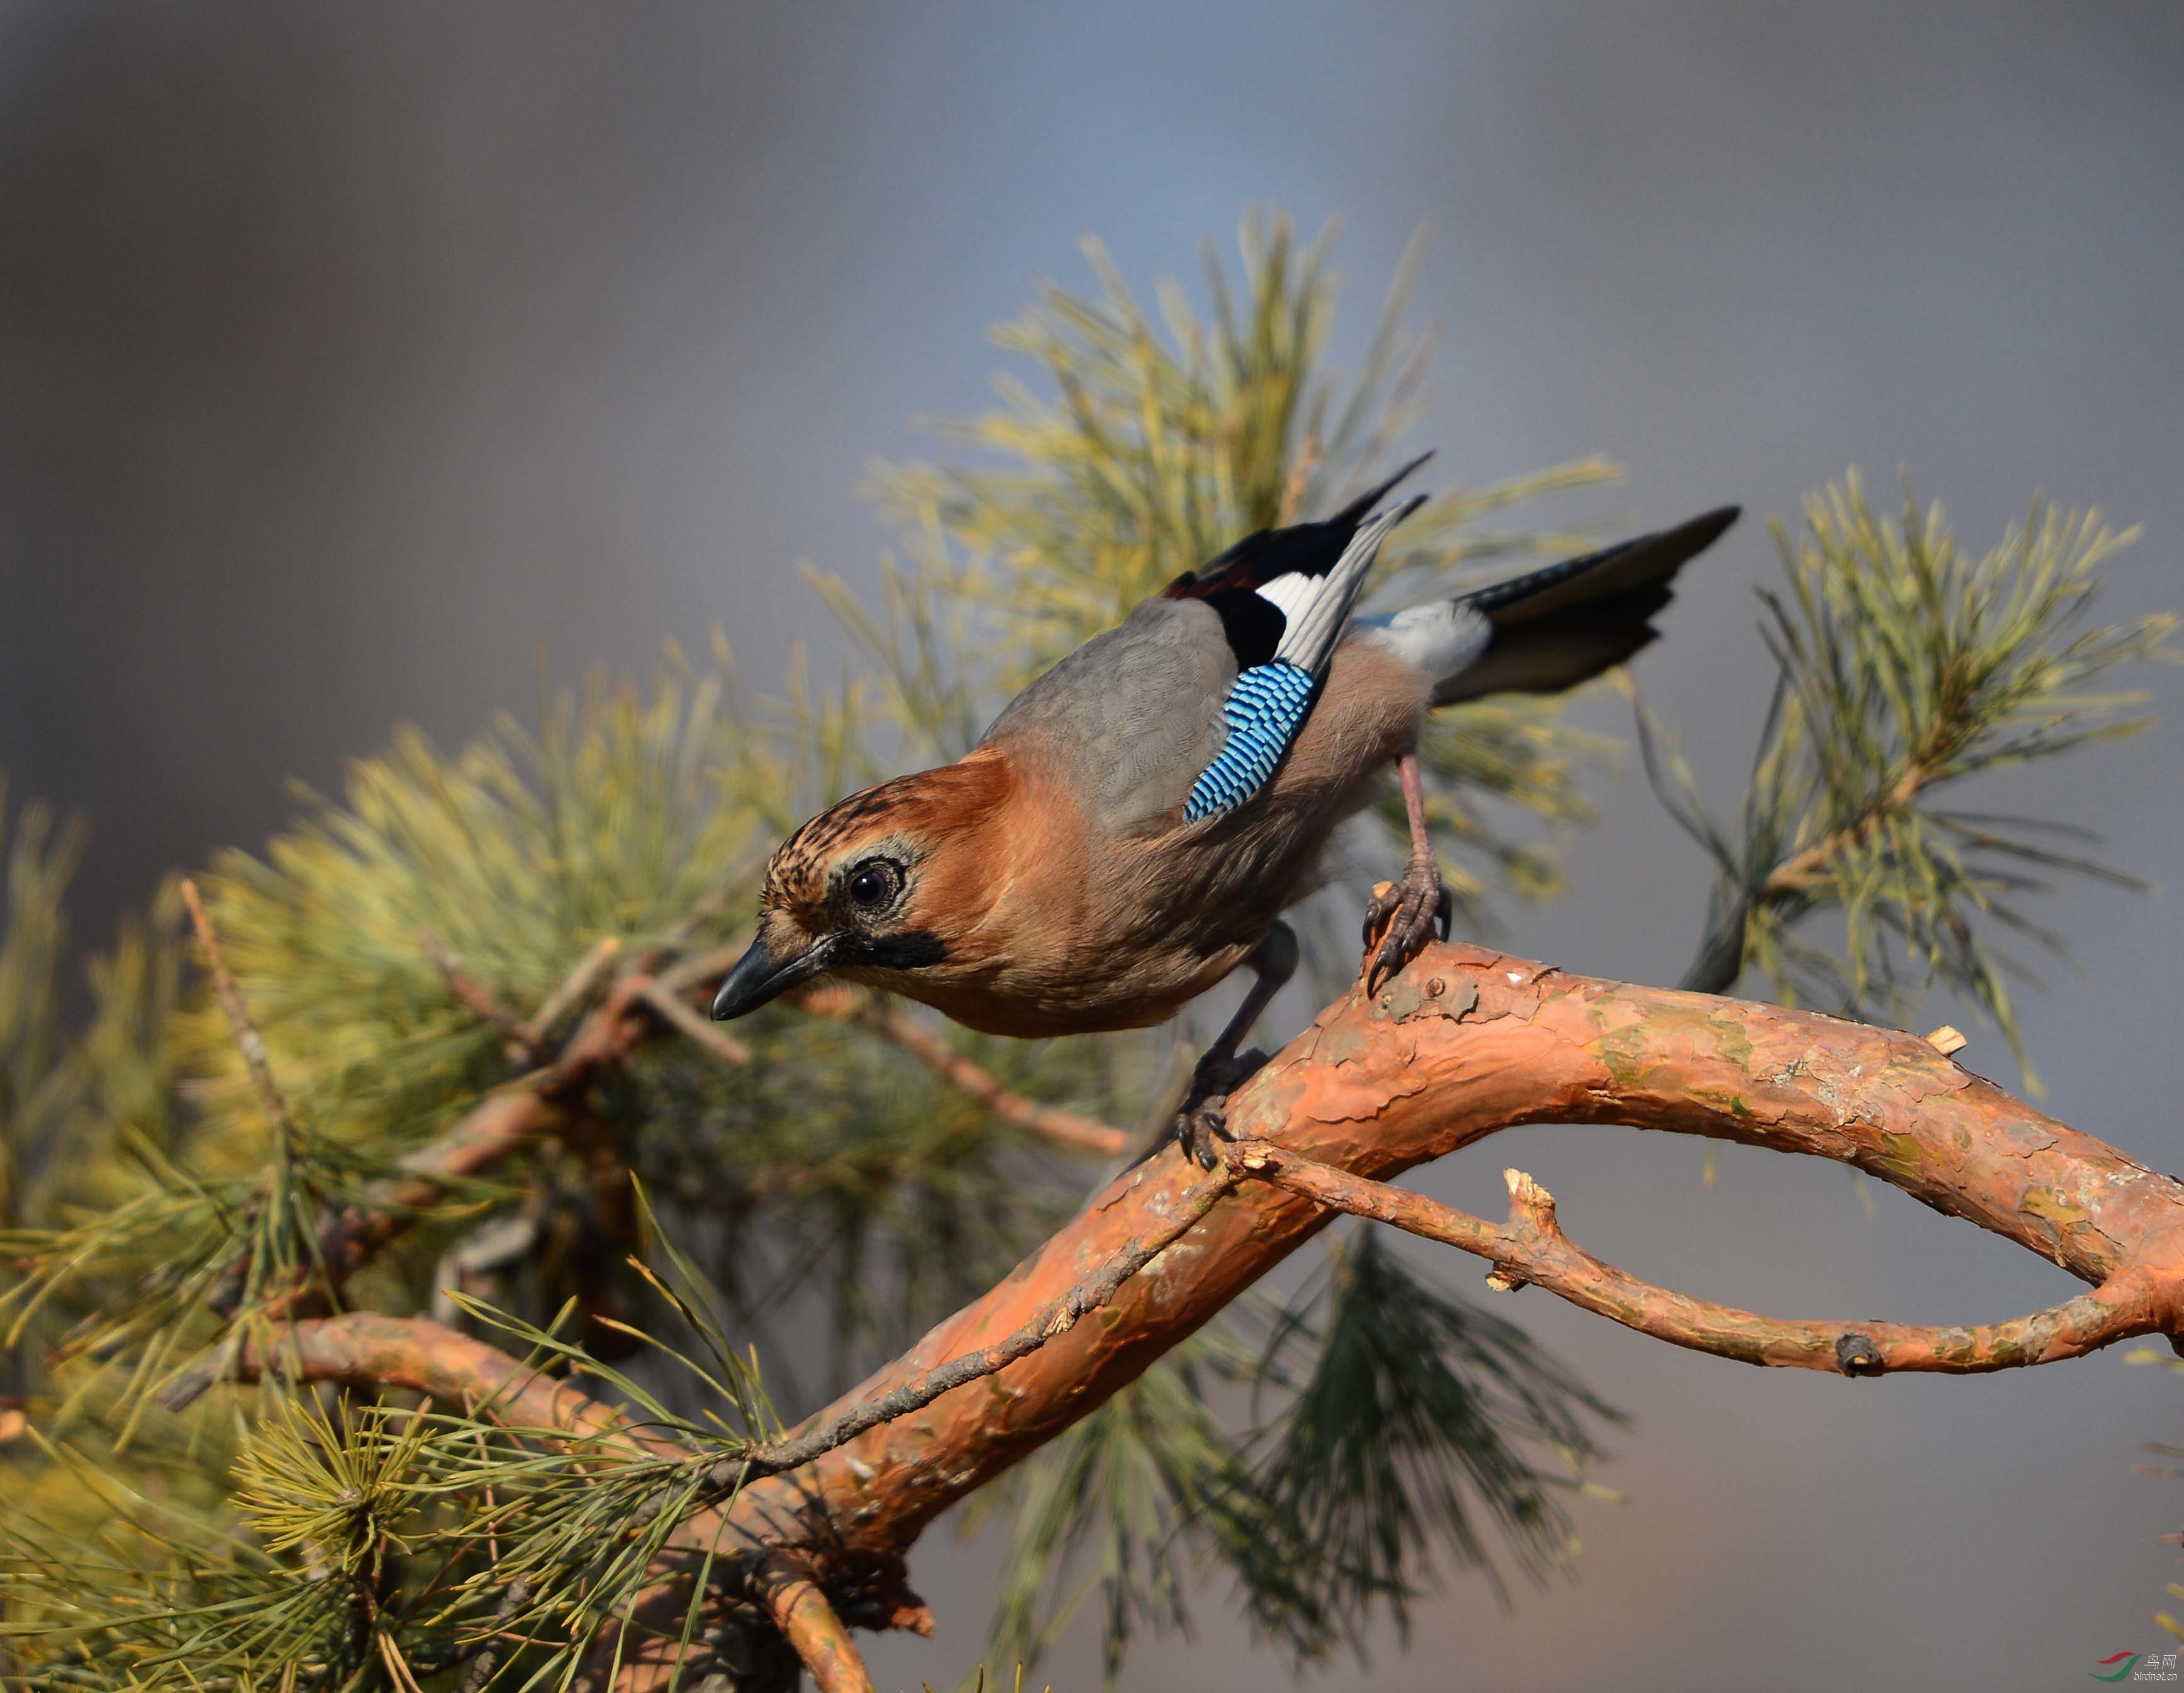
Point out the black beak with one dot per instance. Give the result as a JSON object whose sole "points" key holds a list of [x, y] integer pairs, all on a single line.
{"points": [[758, 977]]}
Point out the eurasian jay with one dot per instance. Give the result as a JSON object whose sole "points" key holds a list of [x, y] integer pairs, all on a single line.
{"points": [[1135, 822]]}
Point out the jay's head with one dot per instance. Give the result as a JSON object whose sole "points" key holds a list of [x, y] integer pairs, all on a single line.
{"points": [[886, 887]]}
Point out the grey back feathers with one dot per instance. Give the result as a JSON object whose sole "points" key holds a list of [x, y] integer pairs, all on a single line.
{"points": [[1132, 716]]}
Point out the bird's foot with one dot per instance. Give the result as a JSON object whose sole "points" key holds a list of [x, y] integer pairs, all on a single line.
{"points": [[1202, 1119], [1404, 915]]}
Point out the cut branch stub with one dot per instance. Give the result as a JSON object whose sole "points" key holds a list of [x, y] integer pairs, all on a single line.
{"points": [[800, 1611]]}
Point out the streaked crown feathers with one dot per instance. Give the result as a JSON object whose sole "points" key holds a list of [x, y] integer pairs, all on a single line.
{"points": [[911, 814]]}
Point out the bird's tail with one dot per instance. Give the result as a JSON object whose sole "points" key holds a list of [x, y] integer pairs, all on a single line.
{"points": [[1556, 627]]}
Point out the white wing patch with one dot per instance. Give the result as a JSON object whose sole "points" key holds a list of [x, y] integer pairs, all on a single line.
{"points": [[1291, 593], [1325, 601]]}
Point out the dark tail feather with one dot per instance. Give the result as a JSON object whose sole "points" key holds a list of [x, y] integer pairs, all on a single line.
{"points": [[1359, 508], [1566, 624]]}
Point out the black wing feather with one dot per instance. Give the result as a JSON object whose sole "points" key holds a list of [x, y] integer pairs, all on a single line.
{"points": [[1302, 548], [1231, 582]]}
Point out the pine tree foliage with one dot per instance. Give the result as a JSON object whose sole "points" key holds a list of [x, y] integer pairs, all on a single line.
{"points": [[1419, 1415], [1149, 1490], [413, 949], [38, 1088], [1906, 667], [370, 1543]]}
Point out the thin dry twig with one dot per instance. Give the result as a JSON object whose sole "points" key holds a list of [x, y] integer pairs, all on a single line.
{"points": [[932, 1050], [1531, 1248], [512, 1600], [576, 987], [466, 988], [247, 1038], [700, 969], [687, 1022]]}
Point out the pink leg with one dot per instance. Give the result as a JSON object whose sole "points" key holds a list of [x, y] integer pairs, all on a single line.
{"points": [[1416, 908]]}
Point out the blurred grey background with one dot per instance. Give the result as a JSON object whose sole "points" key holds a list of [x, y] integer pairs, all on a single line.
{"points": [[353, 353]]}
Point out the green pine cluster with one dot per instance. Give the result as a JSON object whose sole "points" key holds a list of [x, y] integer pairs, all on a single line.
{"points": [[442, 927]]}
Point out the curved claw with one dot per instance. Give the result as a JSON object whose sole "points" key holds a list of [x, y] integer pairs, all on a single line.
{"points": [[1202, 1119], [1413, 911], [1197, 1129]]}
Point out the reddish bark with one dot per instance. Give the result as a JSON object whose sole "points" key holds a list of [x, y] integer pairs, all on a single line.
{"points": [[784, 1585], [365, 1350]]}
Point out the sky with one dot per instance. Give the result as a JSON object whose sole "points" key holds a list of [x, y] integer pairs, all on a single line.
{"points": [[352, 358]]}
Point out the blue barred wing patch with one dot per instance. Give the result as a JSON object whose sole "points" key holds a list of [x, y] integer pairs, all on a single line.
{"points": [[1266, 705]]}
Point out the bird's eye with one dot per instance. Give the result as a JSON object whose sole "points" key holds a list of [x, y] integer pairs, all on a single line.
{"points": [[874, 884]]}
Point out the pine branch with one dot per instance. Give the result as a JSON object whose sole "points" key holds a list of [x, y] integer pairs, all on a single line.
{"points": [[1806, 869], [1463, 1043], [1905, 665], [503, 1124], [367, 1350], [574, 989], [364, 1348], [1467, 1042], [693, 1026], [538, 1107]]}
